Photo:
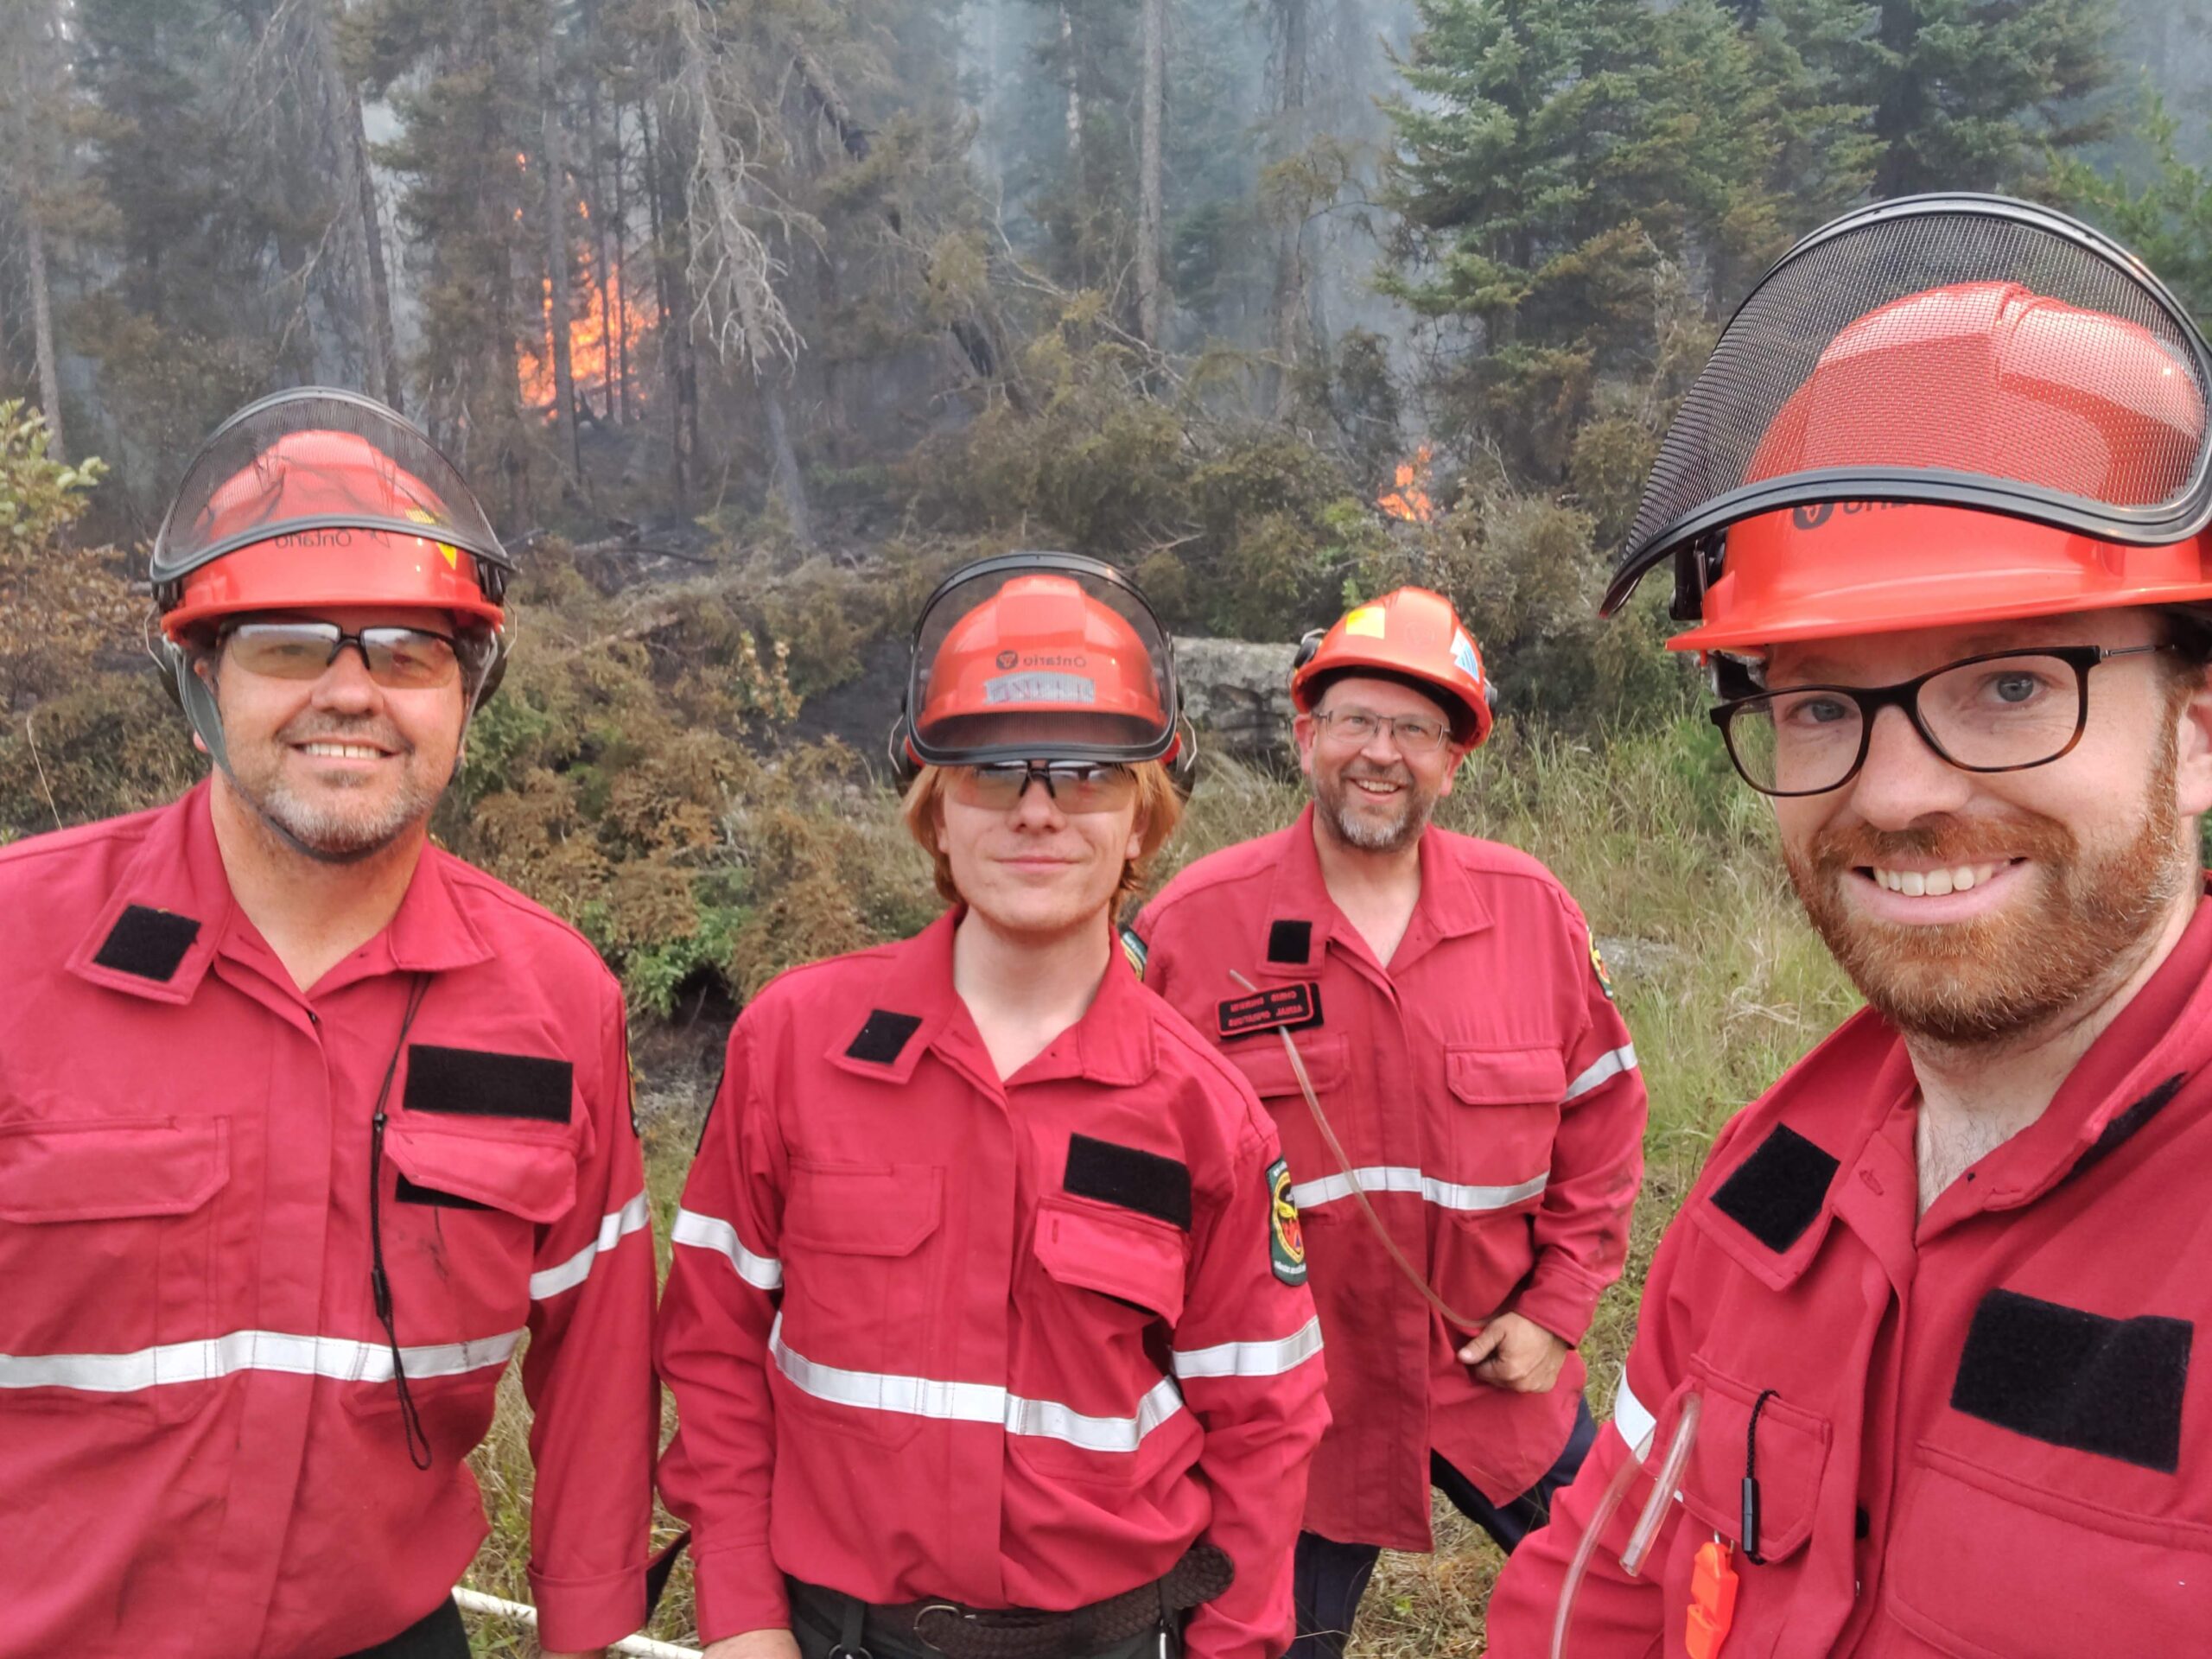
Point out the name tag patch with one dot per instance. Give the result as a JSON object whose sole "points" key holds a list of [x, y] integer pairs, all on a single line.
{"points": [[1280, 1007]]}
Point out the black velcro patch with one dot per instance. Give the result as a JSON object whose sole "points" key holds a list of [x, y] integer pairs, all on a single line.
{"points": [[1280, 1007], [2126, 1124], [148, 943], [480, 1083], [1290, 942], [409, 1192], [1776, 1193], [2068, 1377], [883, 1037], [1136, 1179]]}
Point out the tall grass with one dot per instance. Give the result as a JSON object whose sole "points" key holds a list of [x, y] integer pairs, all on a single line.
{"points": [[1722, 984]]}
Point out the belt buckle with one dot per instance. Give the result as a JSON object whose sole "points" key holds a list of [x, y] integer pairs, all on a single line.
{"points": [[935, 1607]]}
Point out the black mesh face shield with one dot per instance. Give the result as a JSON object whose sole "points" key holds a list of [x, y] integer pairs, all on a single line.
{"points": [[1956, 351]]}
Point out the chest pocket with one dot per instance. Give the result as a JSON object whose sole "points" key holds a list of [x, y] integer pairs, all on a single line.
{"points": [[463, 1212], [1983, 1564], [1095, 1322], [109, 1248], [1516, 1094], [1791, 1461], [862, 1289], [1264, 1065]]}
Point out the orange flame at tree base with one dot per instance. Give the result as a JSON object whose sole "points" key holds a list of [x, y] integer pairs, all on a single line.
{"points": [[1410, 499], [595, 361]]}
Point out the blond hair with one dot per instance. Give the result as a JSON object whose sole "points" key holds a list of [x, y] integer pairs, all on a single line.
{"points": [[1160, 809]]}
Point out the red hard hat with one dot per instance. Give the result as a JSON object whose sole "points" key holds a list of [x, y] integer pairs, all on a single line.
{"points": [[1040, 655], [316, 498], [1410, 635], [1952, 379]]}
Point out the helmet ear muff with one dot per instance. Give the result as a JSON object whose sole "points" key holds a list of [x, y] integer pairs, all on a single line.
{"points": [[1309, 646]]}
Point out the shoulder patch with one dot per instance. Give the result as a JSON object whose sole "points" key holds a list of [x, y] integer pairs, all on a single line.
{"points": [[1280, 1007], [2073, 1378], [1778, 1191], [884, 1037], [147, 943], [1290, 942], [480, 1083], [1598, 967], [1286, 1238], [1136, 1179], [1133, 948]]}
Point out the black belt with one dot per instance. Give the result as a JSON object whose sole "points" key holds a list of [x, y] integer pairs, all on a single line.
{"points": [[958, 1632]]}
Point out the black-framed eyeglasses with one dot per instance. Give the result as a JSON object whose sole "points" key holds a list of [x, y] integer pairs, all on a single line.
{"points": [[1072, 785], [1355, 728], [398, 658], [2004, 711]]}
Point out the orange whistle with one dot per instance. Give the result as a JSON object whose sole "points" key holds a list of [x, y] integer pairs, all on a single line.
{"points": [[1713, 1600]]}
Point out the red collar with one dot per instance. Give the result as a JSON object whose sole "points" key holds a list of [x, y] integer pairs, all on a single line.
{"points": [[1112, 1043], [178, 873]]}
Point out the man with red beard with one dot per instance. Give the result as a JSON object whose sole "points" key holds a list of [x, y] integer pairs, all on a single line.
{"points": [[1912, 1374], [1455, 1031]]}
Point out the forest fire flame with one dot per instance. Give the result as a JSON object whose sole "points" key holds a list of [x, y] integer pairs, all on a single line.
{"points": [[595, 359], [1409, 499]]}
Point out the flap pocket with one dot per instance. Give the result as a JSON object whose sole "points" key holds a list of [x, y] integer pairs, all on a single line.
{"points": [[1261, 1060], [535, 1180], [1983, 1565], [1138, 1260], [1505, 1077], [862, 1209], [105, 1169], [1793, 1452]]}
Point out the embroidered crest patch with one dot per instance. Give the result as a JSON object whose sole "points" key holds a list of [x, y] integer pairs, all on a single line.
{"points": [[1280, 1007], [1286, 1239], [1598, 966], [1134, 949]]}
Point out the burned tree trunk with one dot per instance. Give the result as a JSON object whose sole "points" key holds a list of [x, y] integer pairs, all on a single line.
{"points": [[1151, 279]]}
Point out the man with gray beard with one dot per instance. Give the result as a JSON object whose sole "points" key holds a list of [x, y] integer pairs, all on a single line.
{"points": [[1914, 1373], [304, 1123], [1427, 1018]]}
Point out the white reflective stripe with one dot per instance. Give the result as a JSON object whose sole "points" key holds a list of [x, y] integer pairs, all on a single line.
{"points": [[975, 1402], [249, 1350], [712, 1233], [1445, 1195], [613, 1229], [1606, 1066], [1252, 1358], [1629, 1417]]}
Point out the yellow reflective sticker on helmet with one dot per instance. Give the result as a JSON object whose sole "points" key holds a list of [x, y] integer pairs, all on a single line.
{"points": [[423, 515], [1367, 620]]}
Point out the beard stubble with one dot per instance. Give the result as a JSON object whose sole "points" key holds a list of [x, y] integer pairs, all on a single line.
{"points": [[1991, 979]]}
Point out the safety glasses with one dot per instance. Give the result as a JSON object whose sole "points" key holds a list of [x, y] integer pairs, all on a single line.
{"points": [[1073, 785], [399, 659]]}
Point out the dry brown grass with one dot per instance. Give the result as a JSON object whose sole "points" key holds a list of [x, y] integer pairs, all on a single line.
{"points": [[1722, 982]]}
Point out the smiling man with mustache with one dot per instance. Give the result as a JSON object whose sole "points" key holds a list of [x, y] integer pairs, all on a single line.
{"points": [[1915, 1370], [1455, 1022]]}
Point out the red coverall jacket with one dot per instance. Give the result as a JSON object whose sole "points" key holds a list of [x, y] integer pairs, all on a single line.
{"points": [[1983, 1434], [1015, 1345], [202, 1454], [1486, 1091]]}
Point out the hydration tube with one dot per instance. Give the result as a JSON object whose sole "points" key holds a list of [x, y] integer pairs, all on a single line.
{"points": [[1647, 1524], [1414, 1276]]}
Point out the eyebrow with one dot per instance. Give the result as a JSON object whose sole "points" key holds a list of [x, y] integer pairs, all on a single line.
{"points": [[1826, 671]]}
